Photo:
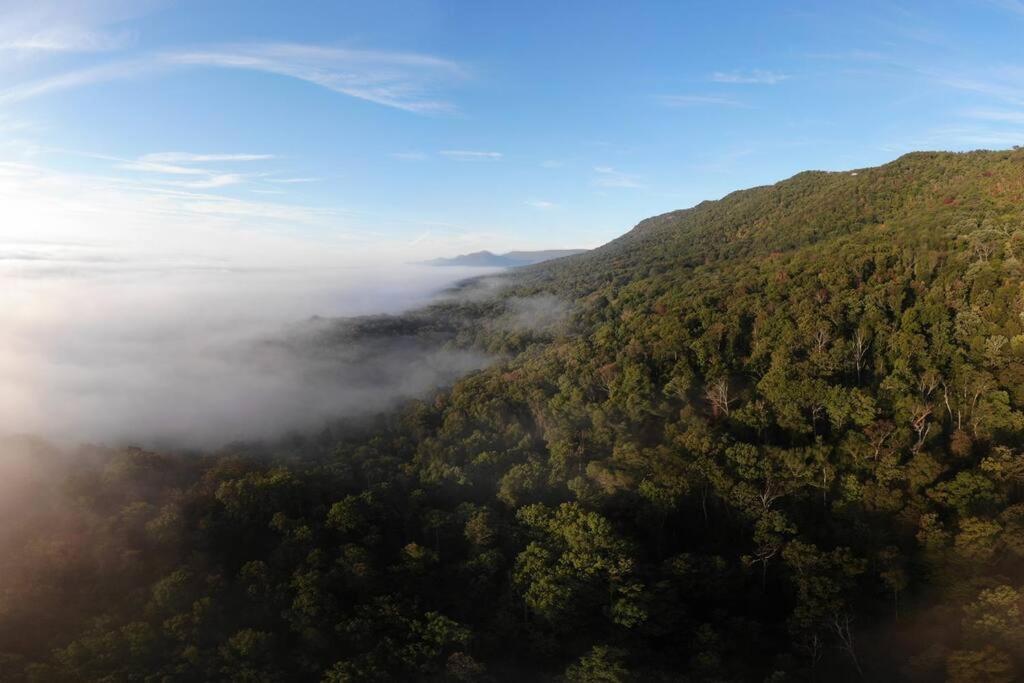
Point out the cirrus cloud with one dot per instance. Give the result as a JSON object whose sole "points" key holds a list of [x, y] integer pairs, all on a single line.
{"points": [[540, 204], [608, 176], [754, 77], [470, 155], [698, 101], [401, 80]]}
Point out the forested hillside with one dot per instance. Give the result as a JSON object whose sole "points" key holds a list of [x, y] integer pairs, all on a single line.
{"points": [[776, 437]]}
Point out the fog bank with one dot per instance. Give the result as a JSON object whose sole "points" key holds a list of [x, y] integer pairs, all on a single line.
{"points": [[197, 356]]}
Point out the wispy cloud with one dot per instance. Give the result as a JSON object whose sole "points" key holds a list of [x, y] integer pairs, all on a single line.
{"points": [[1015, 6], [724, 161], [395, 79], [154, 167], [991, 88], [470, 155], [1003, 83], [188, 157], [35, 28], [698, 101], [540, 204], [408, 156], [211, 181], [407, 81], [69, 39], [966, 136], [8, 125], [155, 215], [961, 137], [76, 79], [854, 55], [292, 181], [754, 77], [608, 176], [999, 115], [193, 165]]}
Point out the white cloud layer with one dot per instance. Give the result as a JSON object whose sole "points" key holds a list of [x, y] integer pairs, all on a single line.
{"points": [[189, 356], [136, 310]]}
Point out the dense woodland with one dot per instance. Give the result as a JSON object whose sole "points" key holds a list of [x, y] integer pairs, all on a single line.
{"points": [[777, 437]]}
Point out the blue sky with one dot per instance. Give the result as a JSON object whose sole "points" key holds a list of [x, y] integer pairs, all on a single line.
{"points": [[340, 131]]}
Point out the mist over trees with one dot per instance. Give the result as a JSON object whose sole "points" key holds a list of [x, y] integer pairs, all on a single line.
{"points": [[186, 356], [774, 437]]}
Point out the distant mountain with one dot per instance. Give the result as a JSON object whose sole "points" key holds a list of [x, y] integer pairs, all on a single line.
{"points": [[487, 259]]}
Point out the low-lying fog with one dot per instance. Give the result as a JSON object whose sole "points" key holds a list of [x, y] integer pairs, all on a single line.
{"points": [[186, 356]]}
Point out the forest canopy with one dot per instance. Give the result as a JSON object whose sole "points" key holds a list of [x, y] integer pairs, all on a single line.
{"points": [[774, 437]]}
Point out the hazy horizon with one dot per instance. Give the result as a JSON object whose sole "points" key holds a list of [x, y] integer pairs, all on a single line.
{"points": [[344, 133]]}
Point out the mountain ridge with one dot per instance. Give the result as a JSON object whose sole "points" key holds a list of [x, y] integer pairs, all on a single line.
{"points": [[511, 259]]}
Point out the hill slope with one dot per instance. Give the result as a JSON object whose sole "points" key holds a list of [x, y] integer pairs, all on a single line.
{"points": [[773, 437]]}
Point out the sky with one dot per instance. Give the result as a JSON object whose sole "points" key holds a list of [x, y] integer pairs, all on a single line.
{"points": [[324, 133]]}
